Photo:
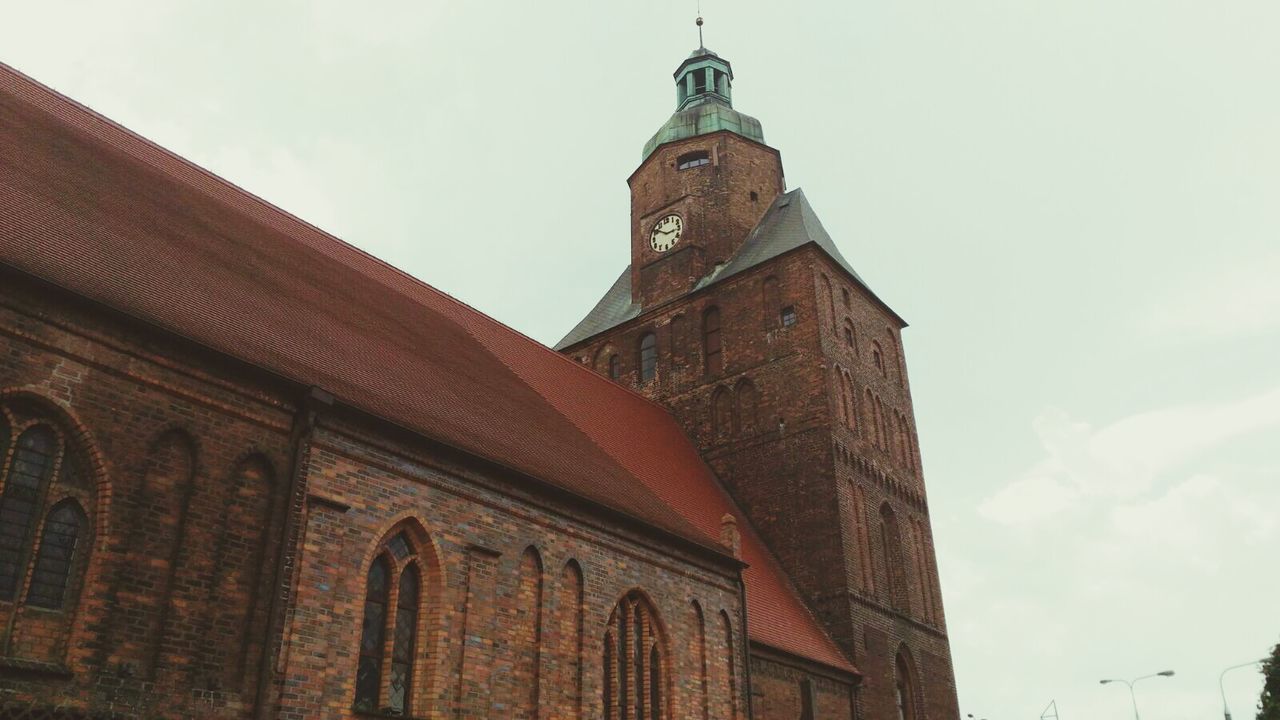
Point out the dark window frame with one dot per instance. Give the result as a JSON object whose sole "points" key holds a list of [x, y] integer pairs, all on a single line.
{"points": [[392, 648], [712, 341], [788, 316], [647, 354], [694, 159]]}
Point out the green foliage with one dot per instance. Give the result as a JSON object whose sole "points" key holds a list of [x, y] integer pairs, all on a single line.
{"points": [[1269, 703]]}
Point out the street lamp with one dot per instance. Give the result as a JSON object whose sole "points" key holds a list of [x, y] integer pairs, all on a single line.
{"points": [[1131, 683], [1226, 711]]}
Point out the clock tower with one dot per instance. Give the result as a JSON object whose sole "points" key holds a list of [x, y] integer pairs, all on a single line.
{"points": [[705, 180], [739, 314]]}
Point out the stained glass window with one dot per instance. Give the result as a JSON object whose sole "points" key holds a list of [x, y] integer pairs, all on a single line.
{"points": [[33, 458], [369, 673], [655, 684], [56, 556], [403, 643]]}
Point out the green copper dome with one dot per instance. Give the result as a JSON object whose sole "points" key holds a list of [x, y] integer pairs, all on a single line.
{"points": [[704, 103]]}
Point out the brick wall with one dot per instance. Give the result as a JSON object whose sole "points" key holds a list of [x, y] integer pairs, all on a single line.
{"points": [[820, 452], [718, 203], [206, 555]]}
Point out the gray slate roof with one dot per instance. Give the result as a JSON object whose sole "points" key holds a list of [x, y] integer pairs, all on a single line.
{"points": [[788, 224]]}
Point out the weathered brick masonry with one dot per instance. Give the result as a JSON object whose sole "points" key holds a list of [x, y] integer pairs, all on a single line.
{"points": [[174, 604], [247, 471], [787, 372]]}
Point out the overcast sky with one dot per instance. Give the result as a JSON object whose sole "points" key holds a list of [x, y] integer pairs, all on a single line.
{"points": [[1076, 203]]}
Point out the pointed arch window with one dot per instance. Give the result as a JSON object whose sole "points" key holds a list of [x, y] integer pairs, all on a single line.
{"points": [[713, 358], [648, 357], [29, 472], [894, 559], [904, 691], [850, 337], [634, 686], [615, 367], [56, 557], [47, 501], [369, 673], [393, 603], [677, 339], [877, 357], [655, 683]]}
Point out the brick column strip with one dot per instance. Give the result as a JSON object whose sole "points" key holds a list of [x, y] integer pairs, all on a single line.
{"points": [[304, 421], [475, 665]]}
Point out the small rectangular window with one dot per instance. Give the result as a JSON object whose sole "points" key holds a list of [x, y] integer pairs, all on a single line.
{"points": [[693, 159], [788, 316]]}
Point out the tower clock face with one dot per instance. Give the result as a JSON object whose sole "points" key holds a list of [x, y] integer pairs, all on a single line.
{"points": [[666, 233]]}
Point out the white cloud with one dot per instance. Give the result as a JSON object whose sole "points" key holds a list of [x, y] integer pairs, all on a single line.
{"points": [[1124, 460]]}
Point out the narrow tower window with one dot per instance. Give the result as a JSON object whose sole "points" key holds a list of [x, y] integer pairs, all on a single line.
{"points": [[904, 689], [693, 159], [711, 349], [648, 357], [788, 316]]}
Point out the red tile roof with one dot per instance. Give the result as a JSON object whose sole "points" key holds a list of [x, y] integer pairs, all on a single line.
{"points": [[96, 209]]}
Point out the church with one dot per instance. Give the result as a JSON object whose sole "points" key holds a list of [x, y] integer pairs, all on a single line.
{"points": [[249, 471]]}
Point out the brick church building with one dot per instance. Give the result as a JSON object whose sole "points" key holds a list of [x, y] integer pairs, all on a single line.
{"points": [[249, 471]]}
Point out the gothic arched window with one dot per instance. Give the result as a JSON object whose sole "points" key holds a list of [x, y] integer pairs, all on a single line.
{"points": [[850, 338], [893, 557], [372, 635], [393, 602], [29, 472], [47, 500], [677, 338], [648, 357], [904, 690], [877, 357], [615, 367], [713, 358], [634, 686], [55, 559]]}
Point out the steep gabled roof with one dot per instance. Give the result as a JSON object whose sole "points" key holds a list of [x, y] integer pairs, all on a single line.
{"points": [[789, 223], [95, 209]]}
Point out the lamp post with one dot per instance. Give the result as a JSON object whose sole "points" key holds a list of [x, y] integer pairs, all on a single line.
{"points": [[1226, 711], [1131, 683]]}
